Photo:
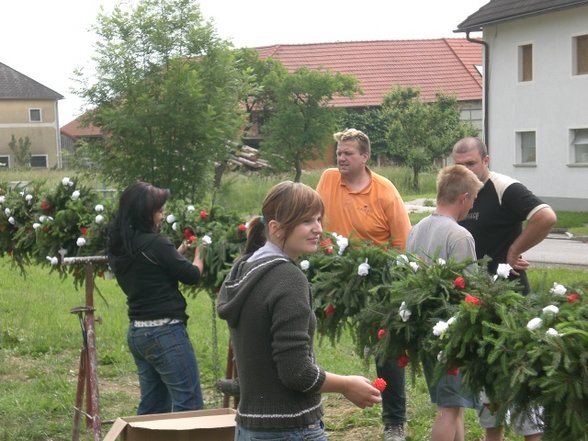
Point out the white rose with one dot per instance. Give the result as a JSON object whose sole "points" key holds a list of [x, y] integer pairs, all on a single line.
{"points": [[414, 266], [404, 312], [440, 328], [363, 269], [99, 218], [552, 332], [534, 323], [503, 270], [170, 219], [29, 197], [52, 260], [42, 218], [36, 225], [66, 181], [7, 212], [11, 220], [551, 309], [558, 290], [401, 259], [75, 195], [441, 261], [81, 242], [2, 199], [99, 208], [206, 240], [304, 265], [175, 226], [190, 208], [342, 243], [451, 320]]}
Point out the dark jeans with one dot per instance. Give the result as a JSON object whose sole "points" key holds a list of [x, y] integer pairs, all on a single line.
{"points": [[313, 432], [394, 396], [167, 367]]}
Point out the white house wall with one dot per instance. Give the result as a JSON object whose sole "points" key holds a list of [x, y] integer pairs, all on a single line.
{"points": [[554, 102]]}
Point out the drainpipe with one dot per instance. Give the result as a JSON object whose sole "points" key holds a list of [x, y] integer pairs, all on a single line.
{"points": [[486, 77]]}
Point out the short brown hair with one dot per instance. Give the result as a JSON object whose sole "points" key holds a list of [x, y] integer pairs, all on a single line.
{"points": [[470, 143], [455, 180], [354, 135]]}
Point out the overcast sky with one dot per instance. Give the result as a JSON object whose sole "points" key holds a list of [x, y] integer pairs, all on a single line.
{"points": [[48, 40]]}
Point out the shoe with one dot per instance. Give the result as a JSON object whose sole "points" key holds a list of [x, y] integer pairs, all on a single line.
{"points": [[229, 387], [394, 432]]}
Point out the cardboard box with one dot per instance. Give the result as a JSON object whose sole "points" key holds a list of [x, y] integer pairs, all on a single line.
{"points": [[197, 425]]}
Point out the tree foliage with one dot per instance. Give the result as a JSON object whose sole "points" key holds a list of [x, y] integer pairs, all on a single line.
{"points": [[420, 133], [21, 151], [300, 118], [166, 92]]}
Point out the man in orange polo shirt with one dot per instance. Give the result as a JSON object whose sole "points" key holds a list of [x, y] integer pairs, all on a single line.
{"points": [[362, 204]]}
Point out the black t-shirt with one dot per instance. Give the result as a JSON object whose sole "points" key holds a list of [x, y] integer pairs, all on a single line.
{"points": [[496, 218]]}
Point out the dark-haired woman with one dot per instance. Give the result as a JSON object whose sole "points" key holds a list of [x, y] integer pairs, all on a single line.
{"points": [[266, 301], [148, 268]]}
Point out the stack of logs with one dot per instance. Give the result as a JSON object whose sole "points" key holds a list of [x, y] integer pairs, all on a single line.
{"points": [[245, 157]]}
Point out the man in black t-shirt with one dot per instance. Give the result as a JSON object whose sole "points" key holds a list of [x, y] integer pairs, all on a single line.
{"points": [[496, 222]]}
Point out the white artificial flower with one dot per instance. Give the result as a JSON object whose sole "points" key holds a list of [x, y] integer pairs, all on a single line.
{"points": [[66, 181], [175, 226], [7, 212], [534, 323], [99, 208], [451, 320], [99, 218], [558, 290], [404, 312], [441, 261], [52, 260], [108, 275], [304, 265], [81, 242], [36, 225], [414, 266], [503, 270], [335, 235], [2, 199], [363, 269], [29, 198], [440, 356], [551, 309], [206, 240], [11, 220], [342, 243], [170, 219], [22, 193], [75, 195], [62, 252], [401, 259], [42, 218], [440, 328], [190, 208], [553, 333]]}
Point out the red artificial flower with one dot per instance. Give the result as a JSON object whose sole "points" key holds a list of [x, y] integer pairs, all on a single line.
{"points": [[84, 231], [403, 360], [381, 334], [46, 228], [471, 299], [242, 227], [327, 244], [45, 205], [189, 234], [573, 297], [203, 214], [453, 371], [329, 310], [459, 282], [380, 384]]}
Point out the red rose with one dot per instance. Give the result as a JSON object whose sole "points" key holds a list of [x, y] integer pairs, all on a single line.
{"points": [[45, 205], [453, 371], [380, 384], [188, 234], [573, 298], [381, 334], [242, 227], [203, 214], [459, 282], [327, 244], [471, 299], [403, 360], [84, 231], [329, 310]]}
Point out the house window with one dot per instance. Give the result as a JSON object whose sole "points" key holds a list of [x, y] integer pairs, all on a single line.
{"points": [[4, 162], [526, 152], [579, 146], [35, 115], [526, 62], [580, 55], [39, 161]]}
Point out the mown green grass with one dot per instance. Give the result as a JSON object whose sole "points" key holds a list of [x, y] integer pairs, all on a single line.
{"points": [[40, 342]]}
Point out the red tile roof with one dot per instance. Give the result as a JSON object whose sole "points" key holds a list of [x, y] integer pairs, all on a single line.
{"points": [[444, 64], [75, 130]]}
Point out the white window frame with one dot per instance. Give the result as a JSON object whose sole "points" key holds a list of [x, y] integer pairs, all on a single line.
{"points": [[575, 53], [4, 164], [579, 137], [40, 156], [35, 109], [523, 138], [521, 63]]}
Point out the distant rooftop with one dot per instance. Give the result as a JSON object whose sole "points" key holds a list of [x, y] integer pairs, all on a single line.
{"points": [[16, 86]]}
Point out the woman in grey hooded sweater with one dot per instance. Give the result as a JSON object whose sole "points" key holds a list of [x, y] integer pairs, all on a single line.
{"points": [[267, 303]]}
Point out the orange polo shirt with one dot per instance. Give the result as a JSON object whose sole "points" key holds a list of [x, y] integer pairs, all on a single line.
{"points": [[376, 213]]}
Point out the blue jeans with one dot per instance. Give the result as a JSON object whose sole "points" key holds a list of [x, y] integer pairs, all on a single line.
{"points": [[394, 396], [167, 367], [313, 432]]}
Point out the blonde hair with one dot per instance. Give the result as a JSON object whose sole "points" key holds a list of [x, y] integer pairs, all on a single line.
{"points": [[354, 135], [455, 180]]}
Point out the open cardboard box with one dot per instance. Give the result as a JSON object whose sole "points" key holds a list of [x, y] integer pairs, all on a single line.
{"points": [[197, 425]]}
